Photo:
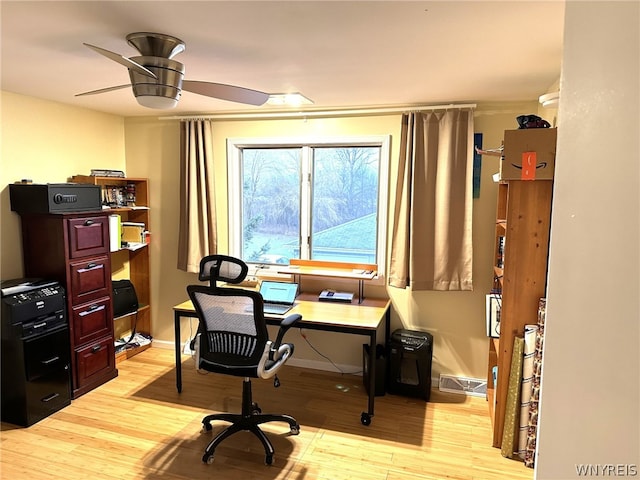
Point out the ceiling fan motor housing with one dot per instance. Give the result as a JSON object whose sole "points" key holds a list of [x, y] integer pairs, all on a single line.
{"points": [[163, 92]]}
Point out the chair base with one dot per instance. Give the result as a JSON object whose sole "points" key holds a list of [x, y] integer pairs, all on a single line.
{"points": [[249, 420]]}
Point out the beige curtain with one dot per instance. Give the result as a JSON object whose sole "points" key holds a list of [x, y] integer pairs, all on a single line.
{"points": [[431, 240], [197, 233]]}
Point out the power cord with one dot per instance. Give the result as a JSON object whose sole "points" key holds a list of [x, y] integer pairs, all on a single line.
{"points": [[304, 335], [122, 344]]}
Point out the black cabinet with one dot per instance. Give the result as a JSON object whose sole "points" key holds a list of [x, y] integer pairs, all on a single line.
{"points": [[36, 374]]}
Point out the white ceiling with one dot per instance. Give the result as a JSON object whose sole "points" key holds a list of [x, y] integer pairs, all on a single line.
{"points": [[339, 54]]}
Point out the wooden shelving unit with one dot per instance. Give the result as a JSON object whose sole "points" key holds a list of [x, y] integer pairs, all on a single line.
{"points": [[130, 263], [522, 280], [523, 220]]}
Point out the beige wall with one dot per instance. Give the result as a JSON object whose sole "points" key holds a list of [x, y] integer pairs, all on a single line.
{"points": [[71, 141], [456, 319], [49, 142]]}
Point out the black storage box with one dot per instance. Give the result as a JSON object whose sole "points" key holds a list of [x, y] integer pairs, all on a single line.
{"points": [[410, 355], [54, 197], [381, 369], [125, 300]]}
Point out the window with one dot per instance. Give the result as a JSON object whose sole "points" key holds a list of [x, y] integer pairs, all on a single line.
{"points": [[314, 199]]}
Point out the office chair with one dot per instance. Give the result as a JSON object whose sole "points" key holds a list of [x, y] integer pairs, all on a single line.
{"points": [[233, 340]]}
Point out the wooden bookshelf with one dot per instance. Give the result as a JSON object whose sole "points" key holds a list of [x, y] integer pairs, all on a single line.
{"points": [[524, 214], [129, 262]]}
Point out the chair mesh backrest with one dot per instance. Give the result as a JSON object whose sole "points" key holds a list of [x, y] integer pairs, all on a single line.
{"points": [[231, 334], [223, 268]]}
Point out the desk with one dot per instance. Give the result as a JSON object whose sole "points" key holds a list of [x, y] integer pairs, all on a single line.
{"points": [[360, 319]]}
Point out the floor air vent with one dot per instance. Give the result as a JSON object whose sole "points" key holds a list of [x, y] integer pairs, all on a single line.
{"points": [[467, 386]]}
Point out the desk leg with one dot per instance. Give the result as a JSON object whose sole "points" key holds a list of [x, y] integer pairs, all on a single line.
{"points": [[365, 417], [176, 326]]}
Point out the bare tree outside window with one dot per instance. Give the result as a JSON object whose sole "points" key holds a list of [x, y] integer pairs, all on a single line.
{"points": [[345, 203], [270, 204]]}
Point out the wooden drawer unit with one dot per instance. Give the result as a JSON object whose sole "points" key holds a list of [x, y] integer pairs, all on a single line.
{"points": [[90, 278], [91, 321], [88, 236], [94, 361], [73, 249]]}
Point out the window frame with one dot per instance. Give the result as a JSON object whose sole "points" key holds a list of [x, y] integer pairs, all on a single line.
{"points": [[306, 144]]}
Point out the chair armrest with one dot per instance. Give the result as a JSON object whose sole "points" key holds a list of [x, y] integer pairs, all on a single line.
{"points": [[288, 322]]}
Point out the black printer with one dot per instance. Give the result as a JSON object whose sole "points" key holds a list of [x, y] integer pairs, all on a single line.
{"points": [[36, 356]]}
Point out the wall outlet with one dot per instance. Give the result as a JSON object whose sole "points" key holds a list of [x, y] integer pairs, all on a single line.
{"points": [[187, 348]]}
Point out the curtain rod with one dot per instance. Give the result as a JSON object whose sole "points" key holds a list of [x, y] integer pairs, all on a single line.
{"points": [[316, 113]]}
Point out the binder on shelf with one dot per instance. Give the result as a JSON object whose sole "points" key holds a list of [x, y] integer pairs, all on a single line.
{"points": [[115, 232]]}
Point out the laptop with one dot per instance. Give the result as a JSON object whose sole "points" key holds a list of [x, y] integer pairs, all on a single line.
{"points": [[278, 296]]}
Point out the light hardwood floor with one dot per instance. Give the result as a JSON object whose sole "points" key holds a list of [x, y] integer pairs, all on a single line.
{"points": [[138, 427]]}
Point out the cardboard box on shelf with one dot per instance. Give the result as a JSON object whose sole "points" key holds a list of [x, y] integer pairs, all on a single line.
{"points": [[133, 232], [529, 154]]}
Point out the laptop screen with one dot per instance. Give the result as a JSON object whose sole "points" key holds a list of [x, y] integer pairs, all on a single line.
{"points": [[278, 292]]}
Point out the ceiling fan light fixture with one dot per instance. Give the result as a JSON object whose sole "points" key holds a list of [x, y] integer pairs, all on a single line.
{"points": [[157, 101], [288, 100]]}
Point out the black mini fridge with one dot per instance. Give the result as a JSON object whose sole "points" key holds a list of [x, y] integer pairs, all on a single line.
{"points": [[410, 355]]}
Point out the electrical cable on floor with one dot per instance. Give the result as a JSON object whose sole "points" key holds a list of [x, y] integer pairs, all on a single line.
{"points": [[304, 335], [122, 344]]}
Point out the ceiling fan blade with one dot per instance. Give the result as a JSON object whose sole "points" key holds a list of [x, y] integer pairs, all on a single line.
{"points": [[226, 92], [116, 57], [102, 90]]}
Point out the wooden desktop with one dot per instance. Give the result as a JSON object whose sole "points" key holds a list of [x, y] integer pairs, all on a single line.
{"points": [[362, 318]]}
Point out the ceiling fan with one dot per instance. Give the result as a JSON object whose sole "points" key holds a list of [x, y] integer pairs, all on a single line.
{"points": [[158, 80]]}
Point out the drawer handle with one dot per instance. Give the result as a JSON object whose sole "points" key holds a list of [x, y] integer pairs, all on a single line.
{"points": [[91, 266], [48, 398], [91, 309], [95, 349], [50, 361], [88, 223]]}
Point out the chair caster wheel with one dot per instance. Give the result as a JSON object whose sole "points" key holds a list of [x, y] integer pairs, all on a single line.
{"points": [[365, 419], [295, 430], [268, 460], [207, 458], [206, 427]]}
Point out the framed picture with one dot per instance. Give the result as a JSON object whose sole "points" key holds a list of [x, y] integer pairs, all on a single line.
{"points": [[494, 303]]}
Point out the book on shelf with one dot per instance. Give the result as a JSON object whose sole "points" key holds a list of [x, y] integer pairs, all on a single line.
{"points": [[103, 172], [500, 253]]}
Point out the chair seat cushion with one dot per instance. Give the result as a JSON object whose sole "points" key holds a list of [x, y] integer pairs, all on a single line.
{"points": [[229, 368]]}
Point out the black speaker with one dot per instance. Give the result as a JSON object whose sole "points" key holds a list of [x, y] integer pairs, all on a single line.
{"points": [[410, 355]]}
